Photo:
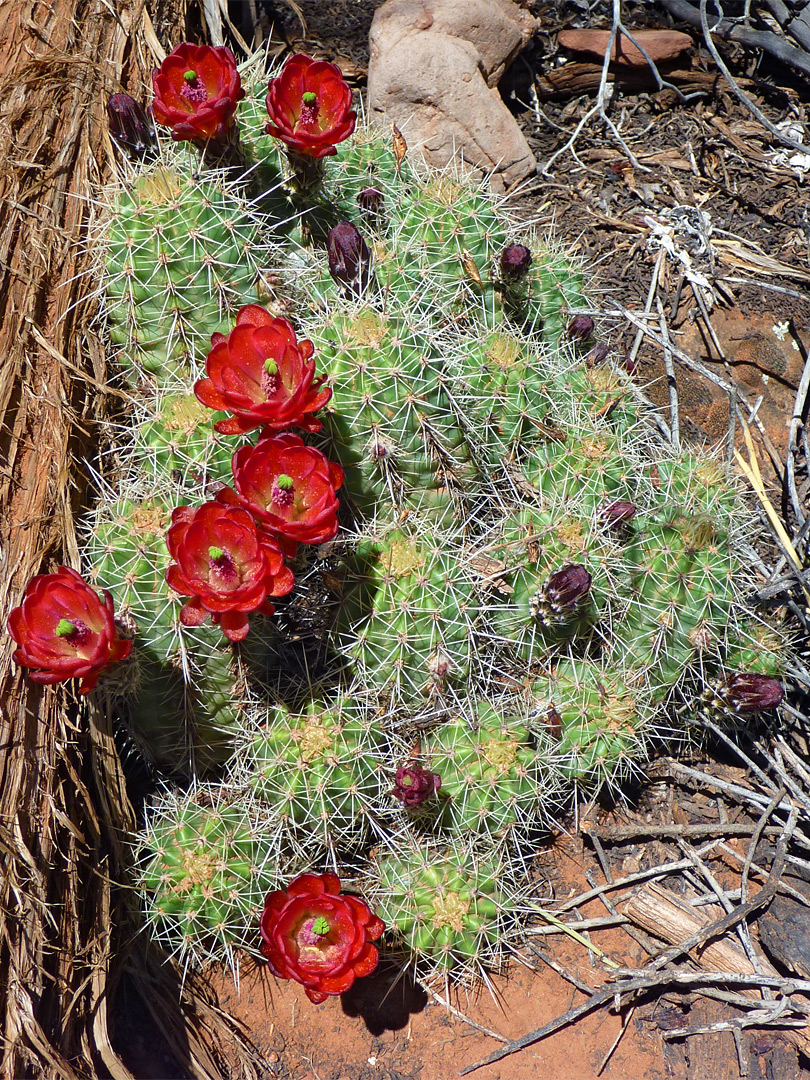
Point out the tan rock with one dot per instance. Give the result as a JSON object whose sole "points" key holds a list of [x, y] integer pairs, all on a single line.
{"points": [[433, 71], [498, 29]]}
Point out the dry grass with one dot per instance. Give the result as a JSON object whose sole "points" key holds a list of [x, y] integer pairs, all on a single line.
{"points": [[64, 917]]}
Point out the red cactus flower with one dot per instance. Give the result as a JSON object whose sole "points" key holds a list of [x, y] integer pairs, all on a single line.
{"points": [[310, 107], [65, 631], [197, 89], [262, 375], [291, 488], [312, 934], [226, 565]]}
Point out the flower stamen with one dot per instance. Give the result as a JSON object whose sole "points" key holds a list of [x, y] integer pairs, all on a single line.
{"points": [[269, 379], [309, 108], [192, 90], [282, 492], [75, 633]]}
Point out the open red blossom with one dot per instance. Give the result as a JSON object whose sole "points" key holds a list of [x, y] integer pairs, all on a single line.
{"points": [[310, 107], [197, 89], [290, 487], [64, 630], [312, 934], [226, 565], [262, 375]]}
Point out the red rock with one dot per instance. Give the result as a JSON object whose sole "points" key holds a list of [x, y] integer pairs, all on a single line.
{"points": [[661, 45]]}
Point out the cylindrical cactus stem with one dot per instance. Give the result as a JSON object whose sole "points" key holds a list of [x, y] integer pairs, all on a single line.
{"points": [[389, 423], [449, 904], [563, 576], [184, 699], [318, 773], [181, 254], [492, 776], [406, 619], [204, 869], [601, 722]]}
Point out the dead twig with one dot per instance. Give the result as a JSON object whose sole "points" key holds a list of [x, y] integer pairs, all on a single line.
{"points": [[599, 107], [757, 39], [752, 107]]}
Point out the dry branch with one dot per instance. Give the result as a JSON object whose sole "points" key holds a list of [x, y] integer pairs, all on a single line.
{"points": [[669, 917]]}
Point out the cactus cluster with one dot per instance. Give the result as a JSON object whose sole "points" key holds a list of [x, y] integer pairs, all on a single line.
{"points": [[527, 592]]}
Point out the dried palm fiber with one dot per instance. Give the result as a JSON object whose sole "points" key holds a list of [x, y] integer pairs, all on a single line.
{"points": [[64, 919]]}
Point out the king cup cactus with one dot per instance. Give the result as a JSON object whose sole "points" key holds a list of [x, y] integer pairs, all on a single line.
{"points": [[521, 588]]}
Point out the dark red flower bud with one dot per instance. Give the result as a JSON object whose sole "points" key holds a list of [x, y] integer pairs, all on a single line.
{"points": [[580, 328], [745, 693], [617, 514], [349, 258], [515, 262], [413, 784], [563, 596], [129, 125], [371, 200], [597, 354]]}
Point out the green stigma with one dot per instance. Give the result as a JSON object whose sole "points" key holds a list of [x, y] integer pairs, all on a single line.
{"points": [[321, 926], [406, 781], [64, 628], [284, 482], [271, 367], [309, 98], [215, 553], [190, 76]]}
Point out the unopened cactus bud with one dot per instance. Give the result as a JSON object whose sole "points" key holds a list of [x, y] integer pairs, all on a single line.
{"points": [[440, 665], [349, 258], [130, 126], [580, 328], [515, 262], [563, 596], [744, 693], [701, 638], [597, 354], [617, 514], [370, 200], [414, 785]]}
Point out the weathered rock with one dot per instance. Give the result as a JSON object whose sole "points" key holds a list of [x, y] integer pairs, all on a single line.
{"points": [[660, 45], [433, 71], [498, 29]]}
